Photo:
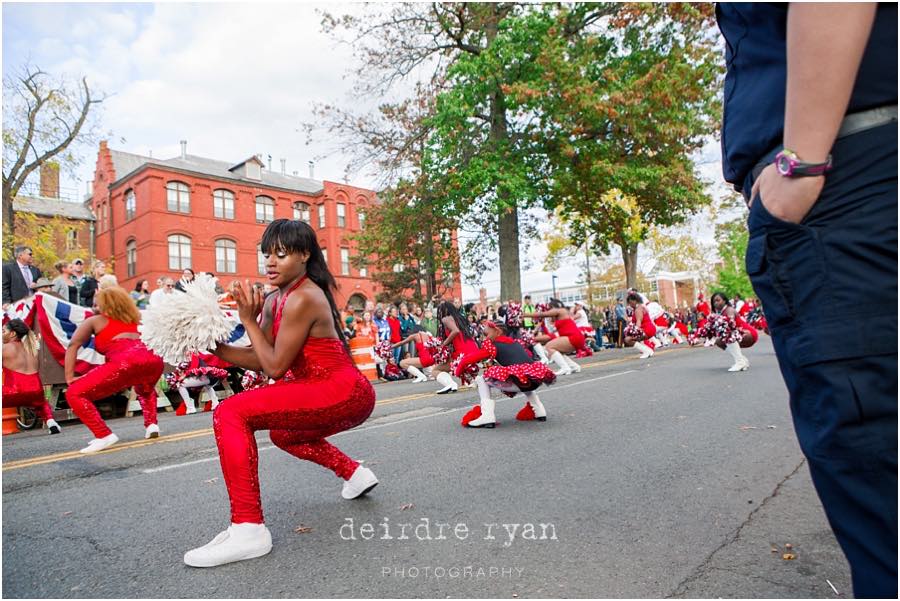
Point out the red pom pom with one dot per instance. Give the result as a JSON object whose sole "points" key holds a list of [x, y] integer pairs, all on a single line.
{"points": [[474, 413], [182, 409], [526, 413]]}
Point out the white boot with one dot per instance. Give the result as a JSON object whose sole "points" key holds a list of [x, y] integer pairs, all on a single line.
{"points": [[540, 414], [564, 369], [646, 351], [487, 419], [52, 426], [676, 335], [189, 406], [417, 374], [98, 444], [541, 353], [740, 362], [361, 482], [572, 364], [449, 385], [239, 542], [212, 397]]}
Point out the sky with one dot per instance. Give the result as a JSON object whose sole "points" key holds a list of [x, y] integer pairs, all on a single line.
{"points": [[233, 80]]}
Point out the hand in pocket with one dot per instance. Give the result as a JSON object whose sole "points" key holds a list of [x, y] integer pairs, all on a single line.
{"points": [[787, 198]]}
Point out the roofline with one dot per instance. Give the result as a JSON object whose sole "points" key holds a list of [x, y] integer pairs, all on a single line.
{"points": [[207, 176]]}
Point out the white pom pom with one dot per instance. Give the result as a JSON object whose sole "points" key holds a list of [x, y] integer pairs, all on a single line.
{"points": [[180, 324]]}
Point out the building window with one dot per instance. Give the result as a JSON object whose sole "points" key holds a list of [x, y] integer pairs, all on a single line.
{"points": [[179, 252], [362, 219], [102, 226], [260, 260], [342, 214], [72, 239], [301, 211], [325, 255], [265, 209], [130, 205], [226, 256], [131, 257], [345, 261], [363, 272], [223, 204], [178, 197], [321, 212]]}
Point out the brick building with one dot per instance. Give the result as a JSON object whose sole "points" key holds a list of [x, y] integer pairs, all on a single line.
{"points": [[46, 204], [155, 217]]}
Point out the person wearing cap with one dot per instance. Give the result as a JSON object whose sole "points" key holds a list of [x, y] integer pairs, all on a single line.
{"points": [[19, 276], [78, 274], [46, 286], [809, 137]]}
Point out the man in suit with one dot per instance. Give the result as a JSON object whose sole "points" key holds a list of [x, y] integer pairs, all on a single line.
{"points": [[19, 276]]}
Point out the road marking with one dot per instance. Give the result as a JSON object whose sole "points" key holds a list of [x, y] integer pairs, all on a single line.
{"points": [[45, 459], [416, 418]]}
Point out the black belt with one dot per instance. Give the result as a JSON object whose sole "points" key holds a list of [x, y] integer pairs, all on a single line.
{"points": [[852, 124]]}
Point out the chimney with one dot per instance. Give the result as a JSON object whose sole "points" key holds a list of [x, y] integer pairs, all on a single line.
{"points": [[50, 180], [183, 149], [270, 163], [295, 173], [311, 170], [283, 161]]}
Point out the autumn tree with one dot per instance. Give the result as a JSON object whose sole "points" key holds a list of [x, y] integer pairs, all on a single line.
{"points": [[620, 110], [43, 120], [47, 238], [732, 238]]}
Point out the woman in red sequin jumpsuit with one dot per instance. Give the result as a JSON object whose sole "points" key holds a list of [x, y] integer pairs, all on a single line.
{"points": [[128, 364], [21, 383], [570, 338], [318, 391]]}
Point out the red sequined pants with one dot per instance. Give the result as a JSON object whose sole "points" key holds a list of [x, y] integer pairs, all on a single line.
{"points": [[299, 416], [128, 363], [25, 390]]}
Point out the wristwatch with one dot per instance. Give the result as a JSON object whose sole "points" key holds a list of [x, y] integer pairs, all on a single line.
{"points": [[789, 164]]}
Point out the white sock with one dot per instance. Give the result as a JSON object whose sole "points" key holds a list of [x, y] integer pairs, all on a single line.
{"points": [[536, 404], [571, 363], [558, 358], [416, 372], [212, 396], [487, 403], [446, 380], [645, 350], [186, 397], [541, 353]]}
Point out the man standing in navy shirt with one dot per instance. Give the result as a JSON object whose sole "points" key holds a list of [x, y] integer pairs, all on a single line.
{"points": [[809, 137]]}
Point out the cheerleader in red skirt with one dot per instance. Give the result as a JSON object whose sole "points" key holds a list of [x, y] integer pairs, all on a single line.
{"points": [[570, 338], [201, 372], [641, 329], [318, 390], [425, 345], [730, 331], [21, 383], [128, 364], [515, 371], [455, 333]]}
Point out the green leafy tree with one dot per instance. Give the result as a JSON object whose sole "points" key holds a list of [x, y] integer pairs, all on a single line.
{"points": [[732, 238], [620, 110]]}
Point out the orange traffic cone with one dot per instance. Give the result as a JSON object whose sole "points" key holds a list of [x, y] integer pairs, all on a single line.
{"points": [[10, 415]]}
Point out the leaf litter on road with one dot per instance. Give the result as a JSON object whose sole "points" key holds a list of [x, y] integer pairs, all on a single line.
{"points": [[302, 529], [406, 506]]}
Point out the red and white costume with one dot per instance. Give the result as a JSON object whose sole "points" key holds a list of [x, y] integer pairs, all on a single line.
{"points": [[515, 370]]}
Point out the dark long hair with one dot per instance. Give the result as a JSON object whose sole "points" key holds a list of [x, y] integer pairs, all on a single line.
{"points": [[292, 236], [448, 309], [18, 327], [720, 295]]}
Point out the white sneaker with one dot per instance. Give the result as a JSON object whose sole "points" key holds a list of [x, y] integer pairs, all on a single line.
{"points": [[423, 378], [741, 365], [152, 431], [239, 542], [98, 444], [361, 482], [53, 427], [190, 410], [564, 372]]}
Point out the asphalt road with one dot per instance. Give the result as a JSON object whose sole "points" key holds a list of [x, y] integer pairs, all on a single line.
{"points": [[661, 478]]}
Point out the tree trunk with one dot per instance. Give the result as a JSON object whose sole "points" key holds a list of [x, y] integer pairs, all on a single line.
{"points": [[508, 220], [629, 256], [9, 216]]}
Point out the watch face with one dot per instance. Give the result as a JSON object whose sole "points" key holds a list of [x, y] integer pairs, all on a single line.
{"points": [[783, 165]]}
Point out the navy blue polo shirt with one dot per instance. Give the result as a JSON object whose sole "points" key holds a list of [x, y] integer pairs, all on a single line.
{"points": [[756, 61]]}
